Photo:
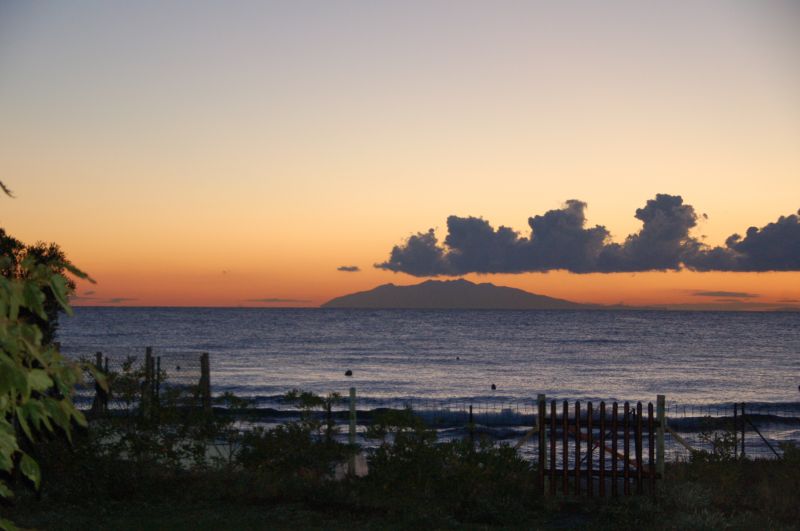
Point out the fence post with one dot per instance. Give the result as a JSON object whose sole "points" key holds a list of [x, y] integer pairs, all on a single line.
{"points": [[351, 464], [589, 450], [471, 427], [565, 449], [638, 430], [614, 444], [106, 393], [540, 400], [147, 388], [100, 397], [158, 381], [626, 446], [205, 382], [553, 439], [735, 431], [651, 453], [743, 454], [602, 457], [577, 447], [661, 419]]}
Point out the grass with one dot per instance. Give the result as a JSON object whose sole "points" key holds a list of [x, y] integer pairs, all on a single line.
{"points": [[725, 495], [135, 474]]}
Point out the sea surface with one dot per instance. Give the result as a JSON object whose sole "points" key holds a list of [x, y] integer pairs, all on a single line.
{"points": [[447, 357]]}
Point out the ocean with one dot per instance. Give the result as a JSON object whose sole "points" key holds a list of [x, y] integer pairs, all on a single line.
{"points": [[694, 358]]}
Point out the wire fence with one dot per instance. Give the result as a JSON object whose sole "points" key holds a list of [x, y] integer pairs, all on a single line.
{"points": [[142, 377], [755, 430], [137, 375]]}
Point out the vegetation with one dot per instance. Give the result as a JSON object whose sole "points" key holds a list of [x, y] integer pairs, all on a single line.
{"points": [[133, 470], [36, 382], [170, 465], [17, 259]]}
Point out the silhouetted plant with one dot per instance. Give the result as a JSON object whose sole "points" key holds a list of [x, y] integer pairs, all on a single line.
{"points": [[49, 256], [36, 382], [308, 403], [722, 445]]}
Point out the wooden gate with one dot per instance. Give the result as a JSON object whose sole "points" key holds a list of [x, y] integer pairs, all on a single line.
{"points": [[623, 452]]}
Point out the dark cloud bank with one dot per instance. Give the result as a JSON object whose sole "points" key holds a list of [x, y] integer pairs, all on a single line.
{"points": [[560, 239]]}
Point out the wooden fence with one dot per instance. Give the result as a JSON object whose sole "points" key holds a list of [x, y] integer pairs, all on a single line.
{"points": [[601, 468]]}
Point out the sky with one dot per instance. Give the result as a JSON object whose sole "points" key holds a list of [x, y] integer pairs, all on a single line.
{"points": [[241, 153]]}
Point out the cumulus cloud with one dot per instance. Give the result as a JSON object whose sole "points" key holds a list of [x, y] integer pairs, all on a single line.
{"points": [[774, 247], [560, 239], [727, 294], [348, 269]]}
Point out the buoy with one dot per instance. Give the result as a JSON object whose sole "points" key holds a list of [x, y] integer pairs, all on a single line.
{"points": [[348, 372], [494, 387]]}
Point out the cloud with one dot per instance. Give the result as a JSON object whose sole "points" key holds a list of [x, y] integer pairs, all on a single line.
{"points": [[274, 299], [789, 300], [774, 247], [89, 296], [560, 239], [348, 269], [726, 294], [117, 300]]}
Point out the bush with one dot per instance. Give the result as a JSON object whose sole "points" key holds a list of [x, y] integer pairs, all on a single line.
{"points": [[36, 382], [416, 475], [722, 443], [296, 457]]}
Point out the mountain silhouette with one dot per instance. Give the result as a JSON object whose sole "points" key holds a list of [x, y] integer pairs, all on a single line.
{"points": [[452, 294]]}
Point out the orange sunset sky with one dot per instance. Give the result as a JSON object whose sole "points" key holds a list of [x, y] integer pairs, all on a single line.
{"points": [[214, 154]]}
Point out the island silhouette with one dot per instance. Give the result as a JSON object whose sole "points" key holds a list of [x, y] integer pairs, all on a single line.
{"points": [[462, 294], [452, 294]]}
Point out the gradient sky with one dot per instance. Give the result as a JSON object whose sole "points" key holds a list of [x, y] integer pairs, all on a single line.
{"points": [[214, 153]]}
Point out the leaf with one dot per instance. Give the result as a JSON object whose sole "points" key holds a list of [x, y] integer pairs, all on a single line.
{"points": [[37, 414], [57, 413], [30, 469], [19, 381], [60, 288], [98, 375], [8, 447], [6, 463], [6, 383], [7, 525], [34, 299], [77, 272], [80, 419], [38, 380], [5, 492], [24, 423]]}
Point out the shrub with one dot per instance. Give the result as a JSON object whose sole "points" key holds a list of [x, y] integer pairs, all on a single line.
{"points": [[722, 444], [36, 382], [415, 474]]}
